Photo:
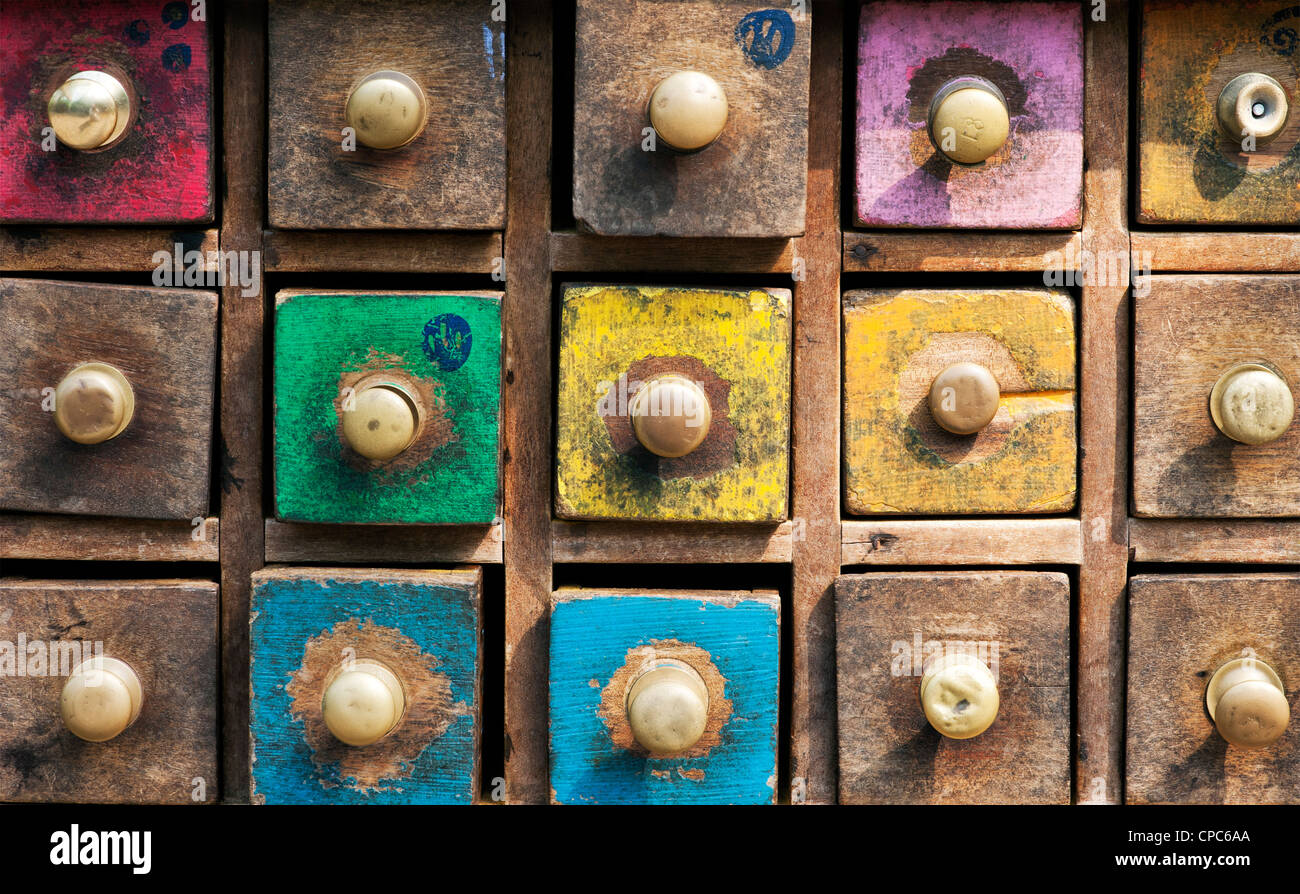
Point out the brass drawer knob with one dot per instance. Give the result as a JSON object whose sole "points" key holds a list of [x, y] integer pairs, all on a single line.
{"points": [[1252, 104], [380, 421], [688, 110], [668, 708], [94, 403], [670, 415], [964, 398], [968, 120], [959, 695], [363, 702], [89, 110], [1247, 703], [387, 110], [101, 698], [1252, 403]]}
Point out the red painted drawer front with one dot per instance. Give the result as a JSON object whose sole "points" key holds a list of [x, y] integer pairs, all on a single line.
{"points": [[161, 171]]}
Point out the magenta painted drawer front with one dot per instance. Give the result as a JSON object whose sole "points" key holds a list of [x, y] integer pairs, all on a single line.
{"points": [[161, 171], [1033, 52]]}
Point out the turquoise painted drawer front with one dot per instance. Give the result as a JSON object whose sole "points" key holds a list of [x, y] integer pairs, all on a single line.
{"points": [[387, 407], [412, 638], [604, 643]]}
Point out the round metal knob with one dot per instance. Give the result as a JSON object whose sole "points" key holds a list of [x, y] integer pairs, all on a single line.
{"points": [[1253, 104], [959, 695], [688, 110], [969, 120], [89, 110], [94, 403], [380, 421], [964, 398], [1247, 703], [363, 703], [1252, 403], [101, 698], [668, 708], [387, 110], [670, 415]]}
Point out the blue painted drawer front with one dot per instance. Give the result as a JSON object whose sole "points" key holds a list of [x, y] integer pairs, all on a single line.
{"points": [[594, 635], [425, 625]]}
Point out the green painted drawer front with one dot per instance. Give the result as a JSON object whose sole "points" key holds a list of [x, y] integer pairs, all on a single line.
{"points": [[444, 350]]}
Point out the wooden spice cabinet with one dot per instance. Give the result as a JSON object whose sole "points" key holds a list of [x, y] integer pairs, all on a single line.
{"points": [[1092, 542]]}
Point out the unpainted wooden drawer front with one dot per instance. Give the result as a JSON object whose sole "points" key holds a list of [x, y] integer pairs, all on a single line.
{"points": [[164, 342], [452, 175], [890, 626], [443, 351], [160, 170], [897, 457], [1182, 628], [308, 625], [603, 640], [166, 631], [1032, 53], [1188, 332], [1189, 170], [751, 180], [735, 344]]}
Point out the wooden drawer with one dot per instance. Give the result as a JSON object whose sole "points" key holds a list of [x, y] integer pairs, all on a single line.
{"points": [[162, 342], [312, 626], [902, 348], [1190, 169], [703, 734], [751, 180], [1190, 332], [432, 364], [732, 346], [1175, 751], [451, 175], [1032, 55], [146, 160], [891, 628], [166, 633]]}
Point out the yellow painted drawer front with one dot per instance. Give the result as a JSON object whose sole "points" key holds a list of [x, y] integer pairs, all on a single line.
{"points": [[733, 344], [898, 459]]}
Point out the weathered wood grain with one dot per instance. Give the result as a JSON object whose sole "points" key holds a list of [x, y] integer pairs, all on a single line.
{"points": [[1011, 541], [1033, 52], [585, 253], [300, 251], [381, 544], [451, 176], [597, 636], [889, 623], [167, 632], [1104, 408], [648, 542], [164, 342], [735, 344], [69, 538], [529, 401], [162, 169], [1241, 541], [33, 249], [751, 181], [1217, 252], [324, 342], [1175, 755], [424, 625], [1188, 172], [898, 460], [815, 435], [1187, 332], [926, 252]]}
